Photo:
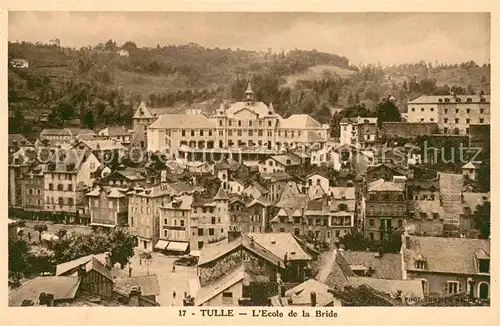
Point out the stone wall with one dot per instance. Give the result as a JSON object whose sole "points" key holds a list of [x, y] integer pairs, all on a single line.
{"points": [[407, 129]]}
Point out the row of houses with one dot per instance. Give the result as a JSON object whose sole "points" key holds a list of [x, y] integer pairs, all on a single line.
{"points": [[278, 270]]}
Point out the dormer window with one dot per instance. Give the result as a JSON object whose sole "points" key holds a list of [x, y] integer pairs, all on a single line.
{"points": [[419, 264], [484, 266]]}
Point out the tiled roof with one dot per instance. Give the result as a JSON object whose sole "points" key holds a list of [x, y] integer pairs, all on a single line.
{"points": [[469, 165], [62, 287], [95, 265], [261, 201], [206, 293], [382, 185], [276, 176], [73, 132], [301, 294], [212, 251], [286, 160], [183, 121], [115, 131], [387, 266], [142, 112], [259, 108], [67, 161], [474, 199], [182, 203], [358, 120], [67, 266], [341, 192], [18, 140], [434, 99], [445, 255], [221, 195], [334, 269], [103, 144], [299, 121], [149, 284], [279, 244], [408, 288]]}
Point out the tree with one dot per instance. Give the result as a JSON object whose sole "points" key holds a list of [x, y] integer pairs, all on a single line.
{"points": [[18, 256], [40, 228], [122, 247], [387, 111], [129, 46], [484, 176], [61, 233], [148, 258], [393, 242], [355, 242], [110, 45], [482, 219]]}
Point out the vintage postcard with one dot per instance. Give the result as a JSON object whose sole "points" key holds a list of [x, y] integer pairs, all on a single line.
{"points": [[247, 167]]}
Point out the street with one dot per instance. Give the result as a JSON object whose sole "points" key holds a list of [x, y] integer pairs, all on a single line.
{"points": [[169, 281]]}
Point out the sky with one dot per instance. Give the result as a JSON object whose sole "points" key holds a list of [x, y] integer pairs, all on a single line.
{"points": [[388, 38]]}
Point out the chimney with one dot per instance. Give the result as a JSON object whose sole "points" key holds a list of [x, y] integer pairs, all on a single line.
{"points": [[46, 299], [135, 293], [313, 299], [81, 271]]}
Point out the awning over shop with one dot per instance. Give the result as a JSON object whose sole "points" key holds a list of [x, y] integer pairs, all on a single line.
{"points": [[177, 246], [195, 253], [161, 244]]}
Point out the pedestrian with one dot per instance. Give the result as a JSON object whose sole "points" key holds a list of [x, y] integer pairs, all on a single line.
{"points": [[29, 236], [173, 268], [185, 294], [173, 294], [130, 270]]}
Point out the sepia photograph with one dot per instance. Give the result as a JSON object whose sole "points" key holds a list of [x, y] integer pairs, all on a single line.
{"points": [[248, 159]]}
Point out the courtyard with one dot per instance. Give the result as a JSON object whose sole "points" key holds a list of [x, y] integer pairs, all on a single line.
{"points": [[168, 280]]}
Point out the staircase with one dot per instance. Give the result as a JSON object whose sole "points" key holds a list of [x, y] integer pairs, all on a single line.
{"points": [[451, 196]]}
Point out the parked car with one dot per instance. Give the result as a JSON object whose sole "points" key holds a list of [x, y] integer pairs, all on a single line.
{"points": [[186, 260]]}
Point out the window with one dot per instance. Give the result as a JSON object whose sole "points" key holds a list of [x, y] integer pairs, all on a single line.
{"points": [[432, 119], [239, 132], [467, 120], [220, 123], [250, 132], [445, 110], [468, 110], [201, 132], [282, 230], [51, 186], [422, 119], [481, 120], [419, 264], [371, 236], [425, 287], [227, 297], [210, 133], [412, 110], [200, 232], [452, 287], [457, 110], [165, 221], [445, 120], [422, 109], [192, 133], [457, 120], [239, 123], [435, 216], [70, 187], [30, 191], [222, 231], [484, 265], [270, 123], [481, 111], [182, 222], [432, 109], [211, 231], [183, 133]]}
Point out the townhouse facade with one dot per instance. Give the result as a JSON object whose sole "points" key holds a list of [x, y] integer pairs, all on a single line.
{"points": [[386, 208], [448, 266], [246, 124], [108, 207], [358, 132], [67, 177], [453, 113]]}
